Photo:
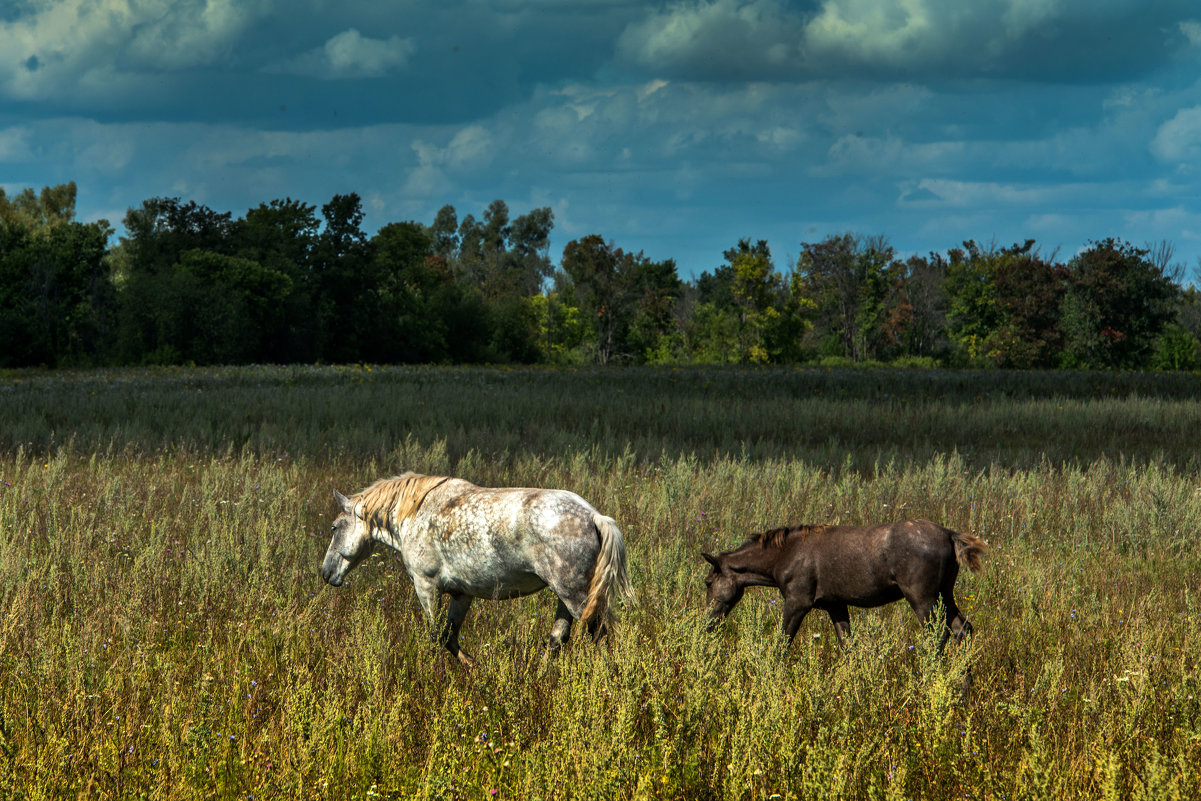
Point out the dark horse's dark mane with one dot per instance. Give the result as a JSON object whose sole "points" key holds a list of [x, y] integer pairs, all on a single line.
{"points": [[777, 537]]}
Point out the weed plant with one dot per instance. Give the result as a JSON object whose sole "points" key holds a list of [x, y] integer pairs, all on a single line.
{"points": [[164, 633]]}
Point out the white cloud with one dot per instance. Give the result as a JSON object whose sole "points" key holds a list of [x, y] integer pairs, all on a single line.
{"points": [[874, 32], [470, 147], [88, 48], [1052, 223], [427, 181], [583, 100], [1179, 139], [1173, 224], [191, 33], [108, 155], [349, 54], [14, 144], [735, 39], [889, 155], [781, 137], [1191, 29], [990, 193]]}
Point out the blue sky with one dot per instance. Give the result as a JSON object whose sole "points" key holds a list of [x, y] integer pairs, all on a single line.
{"points": [[671, 128]]}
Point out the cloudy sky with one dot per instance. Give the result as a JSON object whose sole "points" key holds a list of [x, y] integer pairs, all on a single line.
{"points": [[673, 128]]}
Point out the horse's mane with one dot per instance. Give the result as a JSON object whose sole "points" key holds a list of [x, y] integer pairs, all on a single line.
{"points": [[777, 537], [395, 498]]}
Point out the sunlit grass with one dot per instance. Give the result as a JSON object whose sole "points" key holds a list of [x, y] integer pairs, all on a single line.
{"points": [[164, 634]]}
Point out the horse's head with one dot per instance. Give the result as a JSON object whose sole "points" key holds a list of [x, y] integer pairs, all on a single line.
{"points": [[723, 589], [350, 545]]}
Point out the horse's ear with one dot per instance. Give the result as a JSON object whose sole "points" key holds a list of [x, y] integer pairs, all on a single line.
{"points": [[344, 502], [713, 560]]}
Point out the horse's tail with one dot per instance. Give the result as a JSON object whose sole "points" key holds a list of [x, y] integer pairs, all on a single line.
{"points": [[968, 550], [610, 580]]}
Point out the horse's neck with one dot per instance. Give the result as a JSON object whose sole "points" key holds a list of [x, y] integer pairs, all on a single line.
{"points": [[757, 569], [392, 535]]}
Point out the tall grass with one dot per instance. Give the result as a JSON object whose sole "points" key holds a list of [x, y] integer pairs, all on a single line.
{"points": [[814, 415], [163, 632]]}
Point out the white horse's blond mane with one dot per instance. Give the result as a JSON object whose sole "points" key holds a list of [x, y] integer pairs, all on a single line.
{"points": [[393, 500]]}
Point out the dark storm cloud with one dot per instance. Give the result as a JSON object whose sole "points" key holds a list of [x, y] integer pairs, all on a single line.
{"points": [[221, 59], [936, 40]]}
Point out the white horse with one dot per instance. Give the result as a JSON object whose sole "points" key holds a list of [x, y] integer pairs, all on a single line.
{"points": [[475, 542]]}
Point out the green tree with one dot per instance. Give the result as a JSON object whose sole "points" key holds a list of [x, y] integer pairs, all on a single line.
{"points": [[653, 289], [594, 267], [916, 322], [53, 206], [1176, 349], [280, 236], [629, 299], [340, 280], [220, 309], [712, 335], [416, 299], [444, 234], [848, 279], [1004, 305], [561, 327], [500, 263], [756, 289], [1117, 304], [744, 311], [503, 257], [158, 233], [56, 300]]}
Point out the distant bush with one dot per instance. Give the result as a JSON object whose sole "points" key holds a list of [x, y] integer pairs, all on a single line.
{"points": [[917, 362]]}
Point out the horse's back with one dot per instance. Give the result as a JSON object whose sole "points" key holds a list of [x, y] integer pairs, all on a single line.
{"points": [[863, 565], [463, 510], [502, 542]]}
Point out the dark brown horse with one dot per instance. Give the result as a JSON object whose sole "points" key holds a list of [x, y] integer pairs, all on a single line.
{"points": [[833, 567]]}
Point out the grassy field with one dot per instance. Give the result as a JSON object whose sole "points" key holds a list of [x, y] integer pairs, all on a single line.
{"points": [[164, 633]]}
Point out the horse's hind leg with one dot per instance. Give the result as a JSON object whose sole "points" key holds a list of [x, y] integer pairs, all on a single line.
{"points": [[840, 616], [957, 623], [572, 591], [598, 628], [960, 628], [924, 608], [560, 632]]}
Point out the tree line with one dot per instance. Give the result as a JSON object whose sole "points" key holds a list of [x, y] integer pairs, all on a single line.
{"points": [[288, 283]]}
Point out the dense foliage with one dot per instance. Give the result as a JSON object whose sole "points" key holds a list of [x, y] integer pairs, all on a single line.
{"points": [[286, 284]]}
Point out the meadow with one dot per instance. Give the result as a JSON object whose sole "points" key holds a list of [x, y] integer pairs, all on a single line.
{"points": [[164, 633]]}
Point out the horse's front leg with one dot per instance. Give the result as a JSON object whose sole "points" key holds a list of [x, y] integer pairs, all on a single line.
{"points": [[455, 612], [794, 614], [428, 596]]}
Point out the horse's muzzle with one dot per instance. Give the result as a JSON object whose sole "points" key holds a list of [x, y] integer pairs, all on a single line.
{"points": [[330, 571]]}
